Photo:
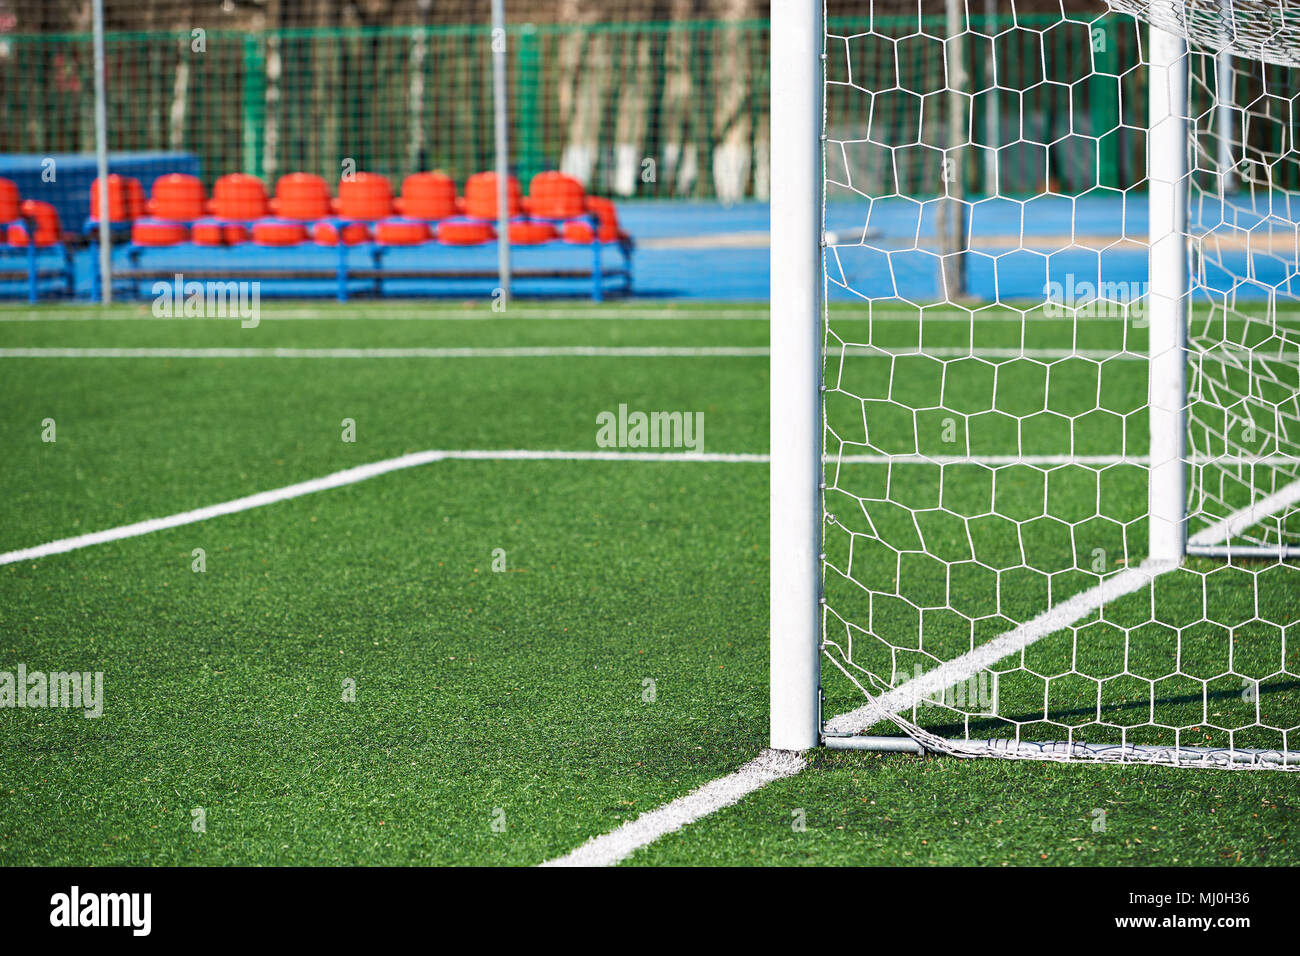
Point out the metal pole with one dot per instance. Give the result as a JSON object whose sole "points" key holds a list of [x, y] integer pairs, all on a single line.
{"points": [[101, 160], [951, 221], [1167, 299], [992, 119], [502, 144], [1224, 103], [795, 438]]}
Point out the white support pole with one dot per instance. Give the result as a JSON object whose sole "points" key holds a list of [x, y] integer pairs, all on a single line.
{"points": [[1224, 108], [796, 432], [992, 119], [952, 210], [502, 120], [1167, 141], [101, 157]]}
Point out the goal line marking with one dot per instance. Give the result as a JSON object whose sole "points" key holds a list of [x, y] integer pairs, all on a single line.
{"points": [[1054, 618], [609, 848], [540, 351], [552, 351], [608, 351], [350, 476], [839, 312], [615, 846]]}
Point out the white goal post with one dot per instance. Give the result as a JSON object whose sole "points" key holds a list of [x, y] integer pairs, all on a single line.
{"points": [[795, 429], [1016, 512]]}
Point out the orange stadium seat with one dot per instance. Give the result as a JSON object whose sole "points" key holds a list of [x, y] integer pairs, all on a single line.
{"points": [[49, 230], [326, 233], [553, 195], [481, 196], [178, 197], [366, 196], [279, 232], [427, 196], [301, 196], [465, 232], [238, 196], [125, 199], [9, 200], [158, 232], [402, 232]]}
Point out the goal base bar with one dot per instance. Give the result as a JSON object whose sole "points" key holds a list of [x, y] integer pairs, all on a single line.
{"points": [[878, 744], [1059, 749]]}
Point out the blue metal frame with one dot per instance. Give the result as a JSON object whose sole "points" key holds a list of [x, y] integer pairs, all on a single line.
{"points": [[377, 250]]}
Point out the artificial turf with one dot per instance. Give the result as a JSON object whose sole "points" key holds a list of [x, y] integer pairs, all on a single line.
{"points": [[521, 696]]}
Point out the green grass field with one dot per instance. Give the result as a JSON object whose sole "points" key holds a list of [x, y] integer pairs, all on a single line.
{"points": [[505, 717]]}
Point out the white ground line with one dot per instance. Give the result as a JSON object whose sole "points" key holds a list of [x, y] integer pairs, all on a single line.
{"points": [[1243, 518], [350, 476], [612, 847], [609, 848], [542, 351], [910, 693], [549, 351], [583, 351], [400, 311], [397, 313], [906, 695]]}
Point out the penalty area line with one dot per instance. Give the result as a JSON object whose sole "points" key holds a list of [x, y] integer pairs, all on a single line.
{"points": [[609, 848], [349, 476], [615, 846], [541, 351]]}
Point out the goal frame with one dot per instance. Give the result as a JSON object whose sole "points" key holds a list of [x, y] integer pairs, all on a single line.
{"points": [[798, 249], [795, 439]]}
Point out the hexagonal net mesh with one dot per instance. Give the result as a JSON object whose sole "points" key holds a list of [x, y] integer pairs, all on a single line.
{"points": [[986, 393], [1260, 30]]}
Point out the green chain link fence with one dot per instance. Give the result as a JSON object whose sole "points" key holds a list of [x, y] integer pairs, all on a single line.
{"points": [[652, 110]]}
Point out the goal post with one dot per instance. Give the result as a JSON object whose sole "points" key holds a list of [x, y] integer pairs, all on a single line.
{"points": [[795, 373], [1035, 381], [1167, 137]]}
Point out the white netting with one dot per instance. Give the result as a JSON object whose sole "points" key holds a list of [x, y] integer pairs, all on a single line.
{"points": [[1244, 346], [985, 394], [1257, 30]]}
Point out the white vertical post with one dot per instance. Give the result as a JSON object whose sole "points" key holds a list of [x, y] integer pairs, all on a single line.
{"points": [[951, 220], [502, 117], [101, 157], [1224, 107], [796, 434], [992, 118], [1168, 130]]}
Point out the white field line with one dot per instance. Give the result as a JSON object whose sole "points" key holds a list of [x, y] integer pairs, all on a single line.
{"points": [[685, 314], [585, 351], [397, 312], [609, 848], [543, 351], [349, 476], [400, 311], [550, 351], [958, 669], [614, 846], [1243, 518], [1055, 618]]}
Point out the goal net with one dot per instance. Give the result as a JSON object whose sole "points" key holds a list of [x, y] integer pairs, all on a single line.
{"points": [[1060, 381]]}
